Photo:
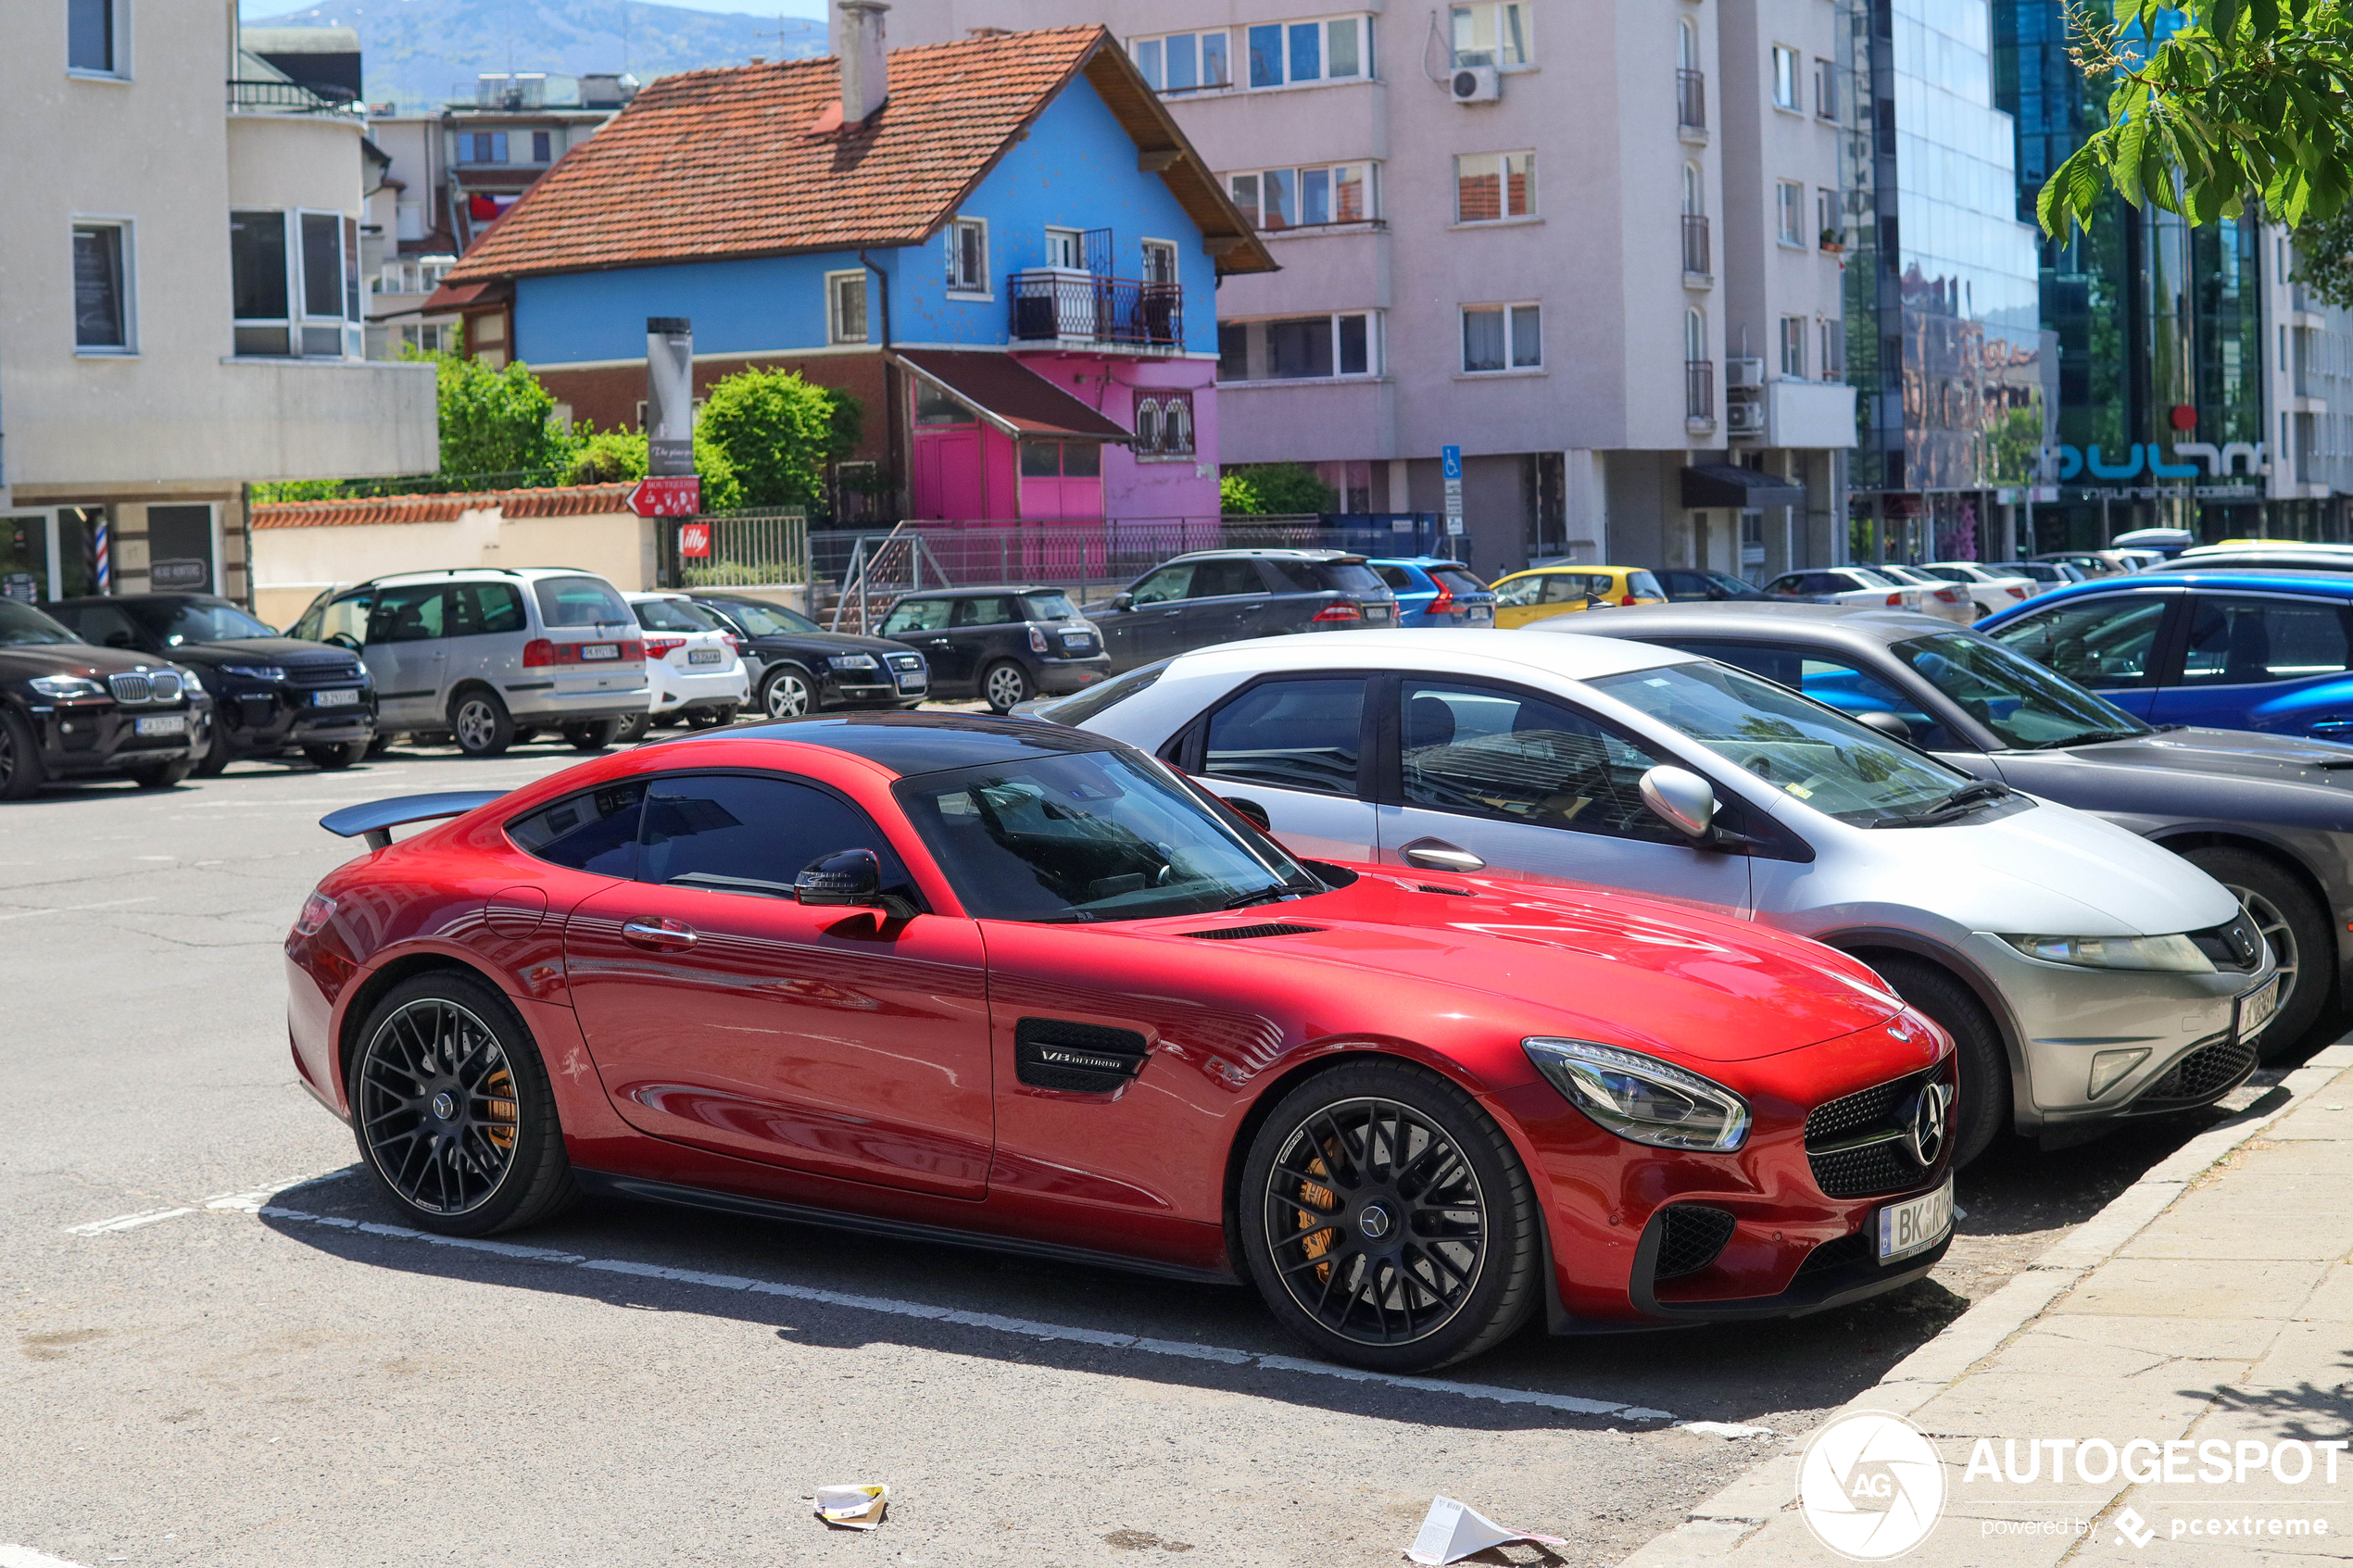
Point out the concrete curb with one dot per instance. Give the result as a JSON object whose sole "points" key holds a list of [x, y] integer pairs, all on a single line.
{"points": [[1718, 1527]]}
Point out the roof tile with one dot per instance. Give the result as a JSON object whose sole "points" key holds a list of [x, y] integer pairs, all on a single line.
{"points": [[571, 500]]}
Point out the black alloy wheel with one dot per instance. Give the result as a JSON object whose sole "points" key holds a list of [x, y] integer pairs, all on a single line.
{"points": [[633, 728], [1006, 685], [711, 717], [336, 757], [788, 693], [452, 1108], [1387, 1221], [2294, 924], [161, 775], [21, 770], [594, 735], [217, 754]]}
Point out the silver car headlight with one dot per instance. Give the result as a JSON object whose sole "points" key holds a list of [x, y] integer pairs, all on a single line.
{"points": [[852, 661], [1641, 1098], [66, 686], [194, 684], [2172, 955], [256, 672]]}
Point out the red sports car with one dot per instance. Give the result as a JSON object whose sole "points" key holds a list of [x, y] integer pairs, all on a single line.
{"points": [[1010, 984]]}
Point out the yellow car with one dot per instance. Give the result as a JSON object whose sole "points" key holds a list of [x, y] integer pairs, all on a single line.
{"points": [[1560, 590]]}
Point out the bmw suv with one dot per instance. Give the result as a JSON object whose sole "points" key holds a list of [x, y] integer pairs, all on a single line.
{"points": [[69, 709]]}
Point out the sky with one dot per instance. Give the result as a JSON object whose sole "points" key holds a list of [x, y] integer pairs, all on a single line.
{"points": [[814, 10]]}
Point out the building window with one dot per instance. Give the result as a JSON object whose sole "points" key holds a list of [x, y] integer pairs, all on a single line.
{"points": [[1834, 350], [543, 146], [1785, 80], [259, 295], [1793, 347], [1789, 203], [1163, 425], [1291, 54], [1492, 187], [1066, 249], [1160, 261], [1492, 33], [101, 288], [1829, 233], [1289, 199], [846, 307], [1825, 89], [1184, 62], [481, 146], [968, 256], [1501, 337], [1299, 347], [294, 280], [99, 36]]}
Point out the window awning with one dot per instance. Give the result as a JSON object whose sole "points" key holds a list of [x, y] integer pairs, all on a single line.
{"points": [[1729, 484], [1011, 395]]}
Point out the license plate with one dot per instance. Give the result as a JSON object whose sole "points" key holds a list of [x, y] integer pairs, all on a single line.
{"points": [[1483, 614], [1917, 1225], [599, 650], [341, 697], [702, 656], [163, 725], [1078, 645], [913, 680], [1376, 612], [2257, 1007]]}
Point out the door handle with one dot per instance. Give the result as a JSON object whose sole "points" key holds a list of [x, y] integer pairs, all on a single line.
{"points": [[1172, 613], [2332, 729], [1437, 855], [662, 935]]}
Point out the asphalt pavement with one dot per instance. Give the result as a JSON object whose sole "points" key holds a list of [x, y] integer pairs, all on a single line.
{"points": [[225, 1352]]}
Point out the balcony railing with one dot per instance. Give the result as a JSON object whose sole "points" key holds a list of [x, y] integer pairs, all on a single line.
{"points": [[1691, 100], [1699, 389], [286, 97], [1064, 305], [1695, 252]]}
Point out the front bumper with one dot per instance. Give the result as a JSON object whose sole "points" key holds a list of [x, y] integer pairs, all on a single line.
{"points": [[102, 737], [265, 719]]}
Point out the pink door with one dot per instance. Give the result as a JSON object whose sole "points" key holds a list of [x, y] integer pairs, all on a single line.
{"points": [[948, 478]]}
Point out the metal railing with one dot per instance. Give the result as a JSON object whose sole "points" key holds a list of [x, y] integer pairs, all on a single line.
{"points": [[1695, 247], [288, 97], [1699, 389], [1691, 100], [1050, 305], [764, 548]]}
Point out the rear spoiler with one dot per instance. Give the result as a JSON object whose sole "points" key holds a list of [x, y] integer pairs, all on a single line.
{"points": [[376, 820]]}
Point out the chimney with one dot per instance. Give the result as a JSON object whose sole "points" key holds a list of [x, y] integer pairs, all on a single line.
{"points": [[865, 78]]}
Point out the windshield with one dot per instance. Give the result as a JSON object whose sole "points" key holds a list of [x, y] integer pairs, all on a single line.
{"points": [[767, 619], [2028, 705], [21, 623], [1097, 835], [1872, 579], [1050, 607], [198, 620], [673, 615], [1814, 753]]}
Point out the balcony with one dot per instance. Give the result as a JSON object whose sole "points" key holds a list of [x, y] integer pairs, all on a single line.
{"points": [[286, 97], [1697, 268], [1699, 392], [1065, 305], [1690, 103]]}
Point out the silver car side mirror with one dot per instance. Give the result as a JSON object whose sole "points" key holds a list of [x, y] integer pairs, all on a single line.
{"points": [[1889, 724], [1681, 798]]}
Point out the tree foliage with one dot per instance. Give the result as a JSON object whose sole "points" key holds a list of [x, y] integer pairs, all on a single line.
{"points": [[497, 421], [2241, 97], [779, 432], [1277, 489], [2325, 258], [618, 456]]}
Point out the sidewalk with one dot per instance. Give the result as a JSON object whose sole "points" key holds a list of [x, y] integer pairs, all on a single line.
{"points": [[2210, 1301]]}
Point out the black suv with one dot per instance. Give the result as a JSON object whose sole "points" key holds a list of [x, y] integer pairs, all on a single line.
{"points": [[268, 692], [1007, 644], [798, 667], [1221, 595], [69, 709]]}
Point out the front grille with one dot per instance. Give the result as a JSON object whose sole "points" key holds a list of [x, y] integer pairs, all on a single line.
{"points": [[326, 672], [2237, 946], [1837, 1254], [2205, 1073], [1857, 1145], [145, 685], [906, 661], [1244, 933], [1690, 1235]]}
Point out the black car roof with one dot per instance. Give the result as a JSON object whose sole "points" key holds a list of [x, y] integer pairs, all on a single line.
{"points": [[978, 593], [923, 743], [1272, 552], [81, 599], [1864, 626]]}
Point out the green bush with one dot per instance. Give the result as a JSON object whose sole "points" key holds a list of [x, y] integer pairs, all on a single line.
{"points": [[498, 421], [1258, 489], [779, 432]]}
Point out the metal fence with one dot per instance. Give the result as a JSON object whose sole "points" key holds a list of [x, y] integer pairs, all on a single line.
{"points": [[748, 549]]}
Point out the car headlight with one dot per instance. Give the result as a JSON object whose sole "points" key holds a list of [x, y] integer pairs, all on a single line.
{"points": [[1641, 1098], [852, 661], [194, 684], [2173, 955], [255, 671], [66, 686]]}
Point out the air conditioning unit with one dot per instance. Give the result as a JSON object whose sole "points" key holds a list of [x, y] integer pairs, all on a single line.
{"points": [[1476, 84], [1744, 372], [1744, 416]]}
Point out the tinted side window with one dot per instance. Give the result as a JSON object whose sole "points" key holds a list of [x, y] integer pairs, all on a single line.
{"points": [[756, 833], [596, 832], [2238, 642], [993, 611], [479, 609], [1489, 752], [1570, 587], [1168, 583], [579, 601], [1295, 734], [103, 624], [1350, 577], [917, 614], [1292, 576], [1212, 579], [1398, 578], [409, 614], [2103, 642]]}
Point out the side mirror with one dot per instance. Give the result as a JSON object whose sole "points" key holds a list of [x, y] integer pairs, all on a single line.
{"points": [[1681, 798], [847, 878], [1886, 723], [1251, 811], [1123, 601]]}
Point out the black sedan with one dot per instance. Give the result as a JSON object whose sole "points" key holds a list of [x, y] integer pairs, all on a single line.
{"points": [[1006, 644], [798, 667], [269, 693], [2270, 817], [1223, 595], [71, 711]]}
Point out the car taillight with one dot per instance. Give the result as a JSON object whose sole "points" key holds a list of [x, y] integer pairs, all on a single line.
{"points": [[315, 911], [1948, 595], [1037, 640], [1628, 601], [538, 653], [1343, 609], [662, 647], [2018, 590], [632, 650], [1896, 598], [734, 645], [1445, 603]]}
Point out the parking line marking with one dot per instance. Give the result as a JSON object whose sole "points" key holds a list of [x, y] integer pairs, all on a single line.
{"points": [[25, 1557], [250, 1200], [71, 909], [1019, 1328], [126, 1222]]}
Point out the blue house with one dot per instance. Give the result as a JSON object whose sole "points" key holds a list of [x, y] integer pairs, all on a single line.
{"points": [[1004, 247]]}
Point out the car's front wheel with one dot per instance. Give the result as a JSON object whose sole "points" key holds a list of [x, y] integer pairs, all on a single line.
{"points": [[633, 728], [1984, 1110], [161, 775], [788, 693], [334, 758], [1387, 1221], [21, 770], [2294, 924], [1006, 685], [594, 735], [451, 1106]]}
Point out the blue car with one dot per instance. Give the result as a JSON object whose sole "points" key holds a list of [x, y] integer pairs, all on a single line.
{"points": [[2230, 650], [1431, 592]]}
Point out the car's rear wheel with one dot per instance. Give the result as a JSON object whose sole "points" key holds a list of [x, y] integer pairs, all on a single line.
{"points": [[711, 717], [216, 752], [594, 735], [1006, 685], [2292, 922], [1387, 1221], [335, 758], [21, 770], [452, 1110], [480, 724], [1984, 1111], [633, 728], [788, 692], [161, 775]]}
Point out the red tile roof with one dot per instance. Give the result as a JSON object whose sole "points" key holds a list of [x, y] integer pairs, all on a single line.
{"points": [[727, 162], [571, 500]]}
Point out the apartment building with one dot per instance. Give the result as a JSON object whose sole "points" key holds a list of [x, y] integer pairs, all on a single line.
{"points": [[2308, 393], [1585, 246], [180, 298]]}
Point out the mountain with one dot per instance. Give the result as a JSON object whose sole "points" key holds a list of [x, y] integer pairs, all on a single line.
{"points": [[416, 53]]}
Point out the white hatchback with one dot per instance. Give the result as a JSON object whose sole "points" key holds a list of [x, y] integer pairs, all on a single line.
{"points": [[694, 665], [1993, 590]]}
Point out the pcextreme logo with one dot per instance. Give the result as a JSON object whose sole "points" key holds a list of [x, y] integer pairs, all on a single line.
{"points": [[1870, 1486]]}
